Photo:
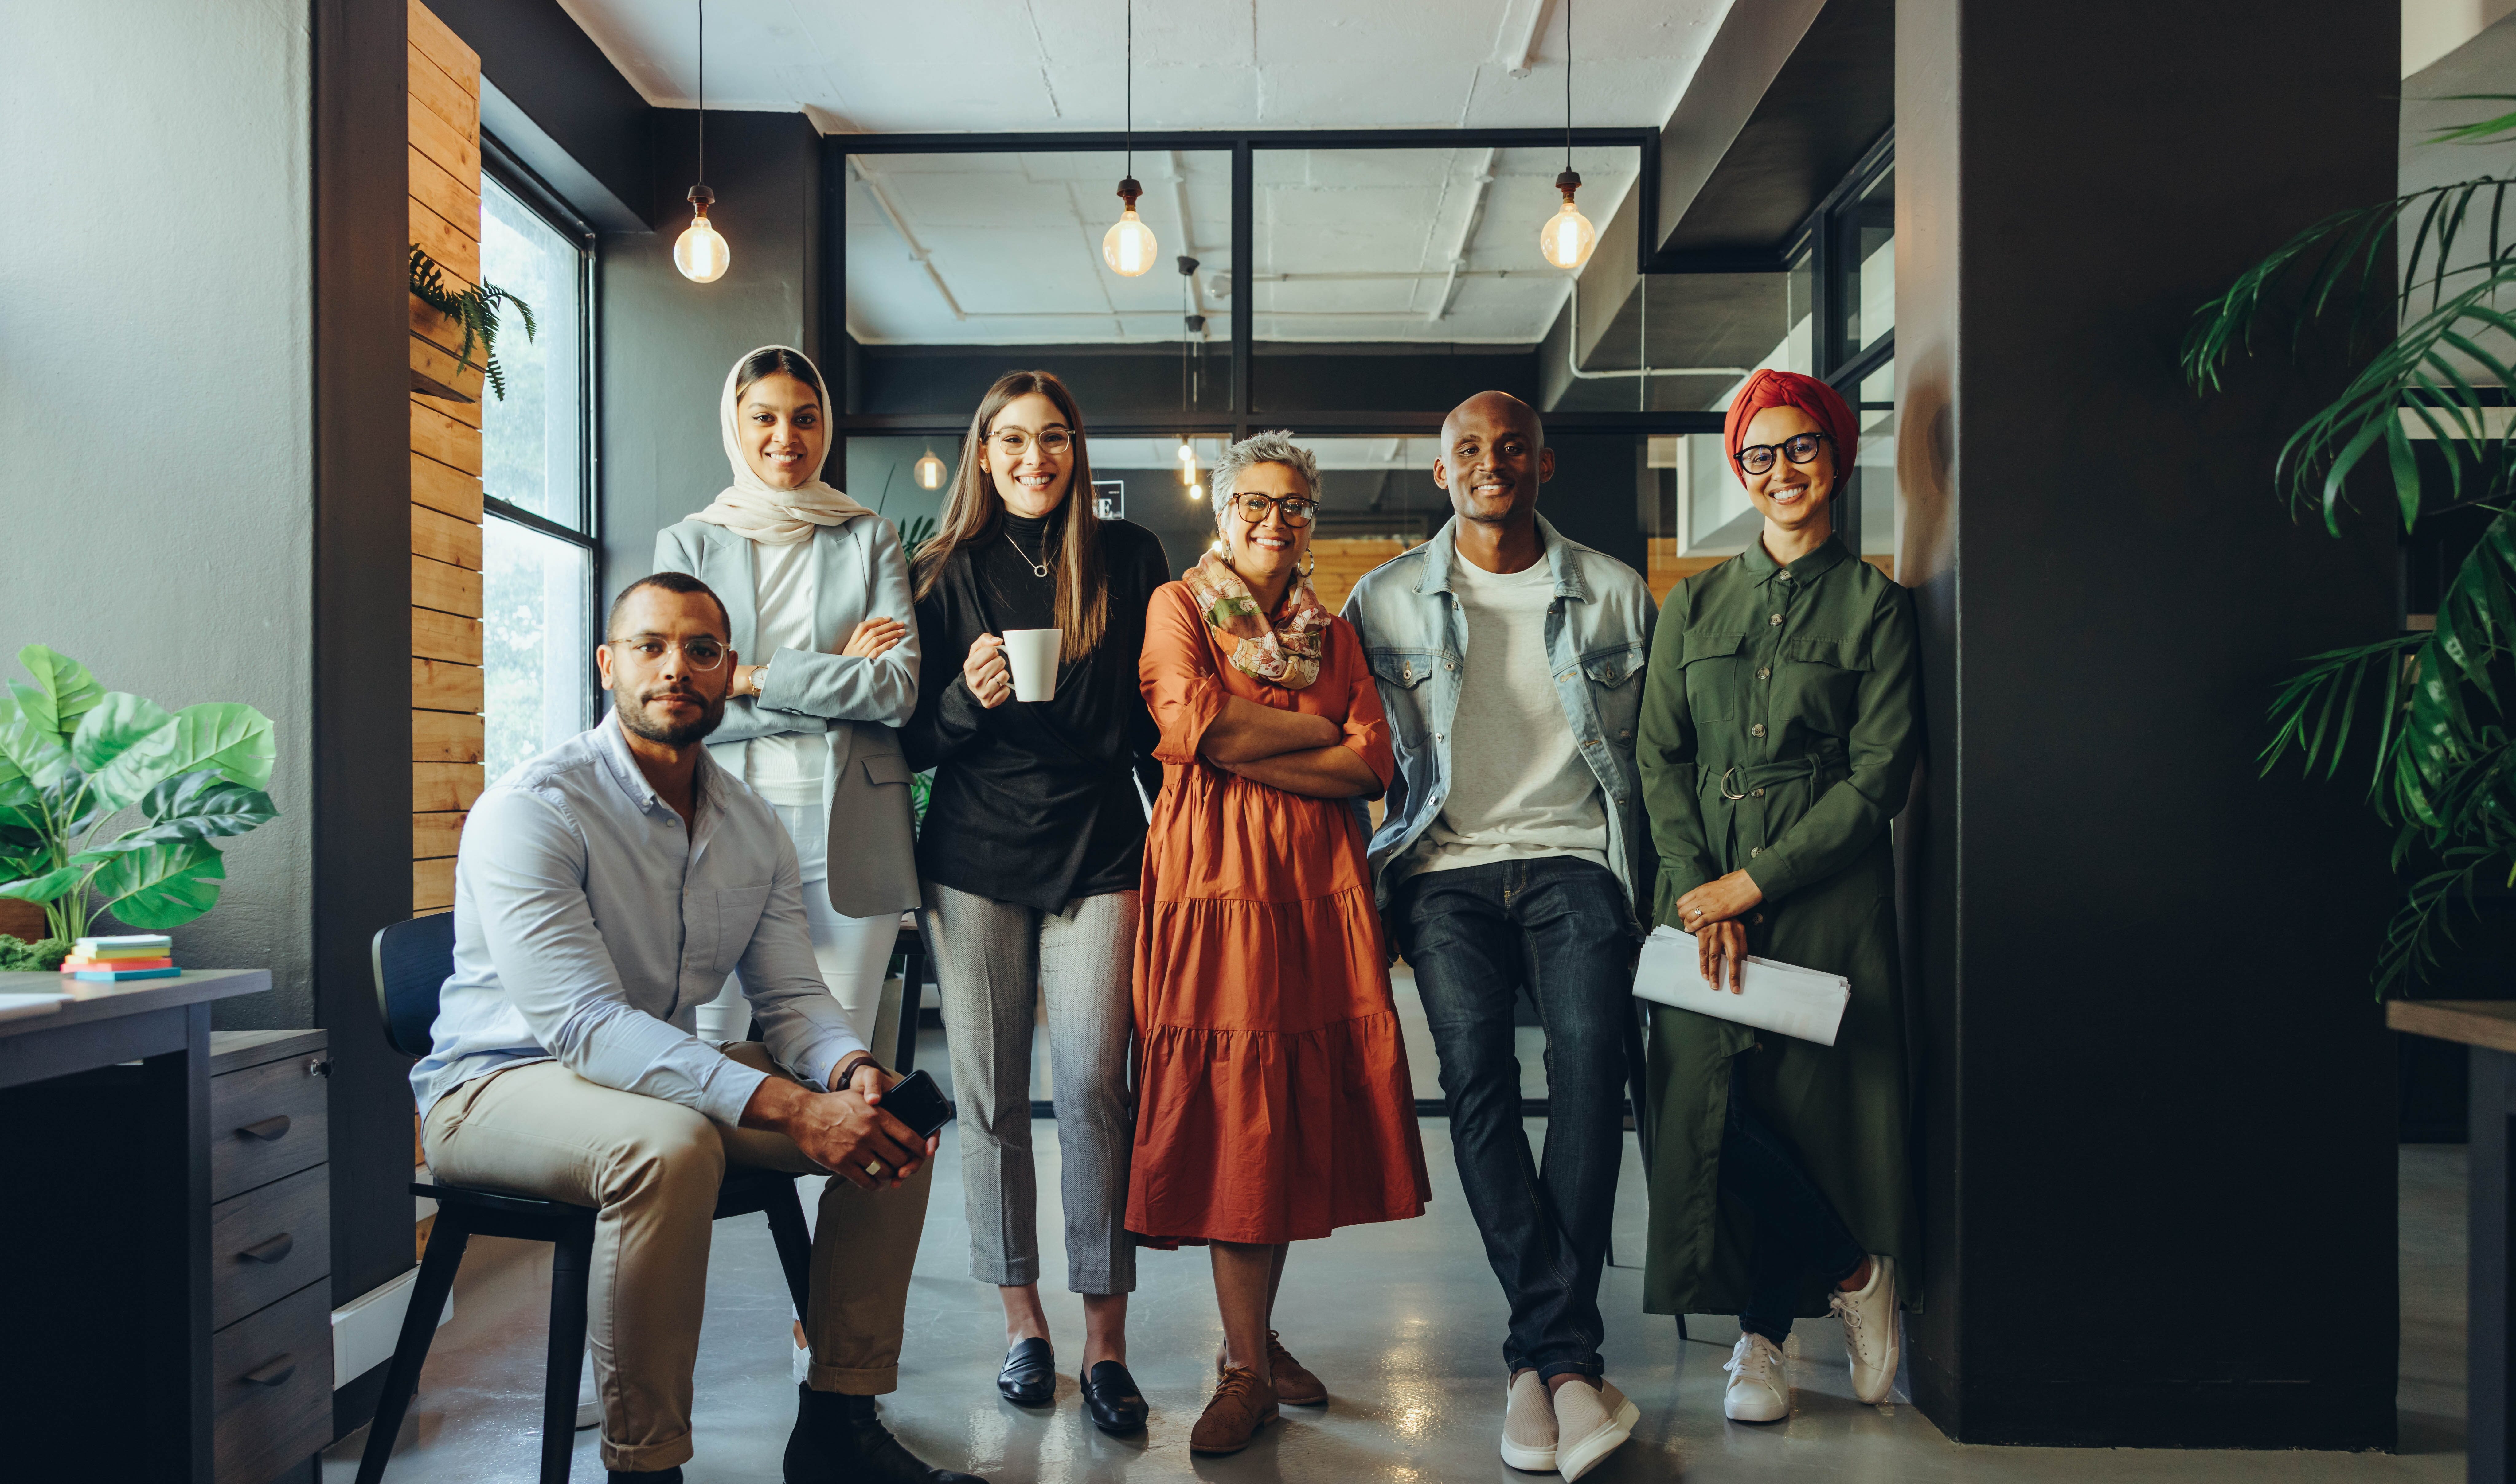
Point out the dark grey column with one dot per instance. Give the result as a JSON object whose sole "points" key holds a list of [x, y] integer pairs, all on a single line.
{"points": [[2157, 1099]]}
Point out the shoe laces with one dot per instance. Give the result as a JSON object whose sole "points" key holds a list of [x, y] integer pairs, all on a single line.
{"points": [[1752, 1359], [1847, 1310], [1238, 1384], [1277, 1355]]}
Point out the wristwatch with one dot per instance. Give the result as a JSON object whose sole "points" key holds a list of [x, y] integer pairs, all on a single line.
{"points": [[759, 679]]}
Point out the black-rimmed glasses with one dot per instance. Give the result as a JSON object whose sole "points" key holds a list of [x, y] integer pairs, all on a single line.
{"points": [[1296, 510], [1800, 448]]}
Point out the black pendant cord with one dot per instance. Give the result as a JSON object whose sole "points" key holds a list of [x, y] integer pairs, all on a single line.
{"points": [[1567, 83], [704, 91], [1131, 92]]}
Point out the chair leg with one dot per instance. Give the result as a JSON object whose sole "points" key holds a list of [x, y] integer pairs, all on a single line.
{"points": [[571, 1263], [785, 1214], [445, 1243]]}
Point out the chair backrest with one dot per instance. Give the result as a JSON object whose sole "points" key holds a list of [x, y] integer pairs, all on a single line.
{"points": [[412, 961]]}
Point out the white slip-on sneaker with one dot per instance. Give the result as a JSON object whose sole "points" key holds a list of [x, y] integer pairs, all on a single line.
{"points": [[1870, 1332], [1590, 1424], [1760, 1382], [1529, 1426]]}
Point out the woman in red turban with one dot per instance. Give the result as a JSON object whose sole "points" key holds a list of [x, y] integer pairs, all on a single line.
{"points": [[1781, 722]]}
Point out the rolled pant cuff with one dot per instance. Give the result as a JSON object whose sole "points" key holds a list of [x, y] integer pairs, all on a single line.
{"points": [[872, 1380], [646, 1458], [1593, 1369], [1012, 1273]]}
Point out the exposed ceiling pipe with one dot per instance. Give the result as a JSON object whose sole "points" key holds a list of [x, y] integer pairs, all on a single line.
{"points": [[1188, 230], [917, 253], [1518, 48], [1360, 276], [1572, 363], [1467, 234]]}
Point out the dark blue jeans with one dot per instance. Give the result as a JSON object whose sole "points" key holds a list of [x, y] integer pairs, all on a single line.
{"points": [[1472, 936], [1798, 1235]]}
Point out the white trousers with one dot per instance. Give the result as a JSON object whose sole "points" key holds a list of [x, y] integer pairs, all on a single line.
{"points": [[854, 953]]}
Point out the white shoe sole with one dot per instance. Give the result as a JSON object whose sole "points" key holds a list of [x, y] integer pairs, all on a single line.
{"points": [[1528, 1460], [1574, 1460], [1886, 1387], [1731, 1408]]}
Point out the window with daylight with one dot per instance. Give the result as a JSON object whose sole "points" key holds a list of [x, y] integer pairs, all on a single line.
{"points": [[538, 532]]}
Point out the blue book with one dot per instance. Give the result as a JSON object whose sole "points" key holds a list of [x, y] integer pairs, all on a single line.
{"points": [[116, 975]]}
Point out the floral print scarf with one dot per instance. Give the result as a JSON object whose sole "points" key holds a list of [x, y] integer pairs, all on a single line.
{"points": [[1285, 652]]}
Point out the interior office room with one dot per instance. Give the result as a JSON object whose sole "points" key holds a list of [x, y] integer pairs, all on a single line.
{"points": [[356, 354]]}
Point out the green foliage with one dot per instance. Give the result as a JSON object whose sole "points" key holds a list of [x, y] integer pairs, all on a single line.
{"points": [[915, 532], [19, 957], [75, 756], [2433, 710], [476, 310]]}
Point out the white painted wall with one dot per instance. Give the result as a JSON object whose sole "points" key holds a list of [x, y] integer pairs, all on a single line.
{"points": [[2431, 28], [157, 489]]}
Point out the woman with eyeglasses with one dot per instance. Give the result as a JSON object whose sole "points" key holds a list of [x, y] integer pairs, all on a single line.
{"points": [[1274, 1103], [1028, 860], [1781, 722]]}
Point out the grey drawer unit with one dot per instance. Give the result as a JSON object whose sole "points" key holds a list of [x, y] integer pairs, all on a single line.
{"points": [[270, 1252]]}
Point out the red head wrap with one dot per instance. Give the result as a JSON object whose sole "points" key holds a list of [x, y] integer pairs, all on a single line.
{"points": [[1789, 388]]}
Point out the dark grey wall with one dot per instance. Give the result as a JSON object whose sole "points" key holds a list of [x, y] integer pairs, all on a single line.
{"points": [[2156, 1088], [534, 54]]}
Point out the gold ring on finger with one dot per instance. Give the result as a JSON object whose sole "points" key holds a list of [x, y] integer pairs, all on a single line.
{"points": [[873, 1166]]}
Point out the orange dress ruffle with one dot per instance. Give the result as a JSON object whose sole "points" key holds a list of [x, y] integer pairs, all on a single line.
{"points": [[1273, 1100]]}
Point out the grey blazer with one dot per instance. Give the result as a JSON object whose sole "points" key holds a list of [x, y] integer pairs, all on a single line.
{"points": [[860, 573]]}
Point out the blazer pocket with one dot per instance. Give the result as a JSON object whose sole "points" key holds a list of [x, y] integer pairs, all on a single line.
{"points": [[887, 768]]}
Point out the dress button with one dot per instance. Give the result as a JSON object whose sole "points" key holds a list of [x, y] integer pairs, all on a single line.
{"points": [[1757, 730], [1755, 850], [1776, 621], [1784, 576], [1756, 919], [1765, 674], [1756, 793]]}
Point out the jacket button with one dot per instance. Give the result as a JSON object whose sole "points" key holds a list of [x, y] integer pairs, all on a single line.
{"points": [[1755, 850], [1756, 793], [1622, 735], [1765, 674], [1757, 730], [1776, 621], [1756, 919], [1784, 576]]}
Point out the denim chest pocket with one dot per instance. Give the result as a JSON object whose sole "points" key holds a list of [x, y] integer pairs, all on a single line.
{"points": [[1713, 675], [1614, 675], [1400, 675]]}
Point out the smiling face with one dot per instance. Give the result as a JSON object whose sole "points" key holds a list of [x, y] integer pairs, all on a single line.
{"points": [[1030, 455], [646, 664], [1267, 552], [782, 431], [1493, 458], [1791, 497]]}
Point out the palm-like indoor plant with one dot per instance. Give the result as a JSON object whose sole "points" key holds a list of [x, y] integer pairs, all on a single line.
{"points": [[2431, 714], [75, 758]]}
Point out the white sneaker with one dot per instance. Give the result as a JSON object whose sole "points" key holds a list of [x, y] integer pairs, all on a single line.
{"points": [[589, 1412], [1760, 1382], [1529, 1426], [1870, 1332], [1590, 1424]]}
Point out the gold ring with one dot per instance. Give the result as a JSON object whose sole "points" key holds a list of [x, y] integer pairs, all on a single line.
{"points": [[873, 1166]]}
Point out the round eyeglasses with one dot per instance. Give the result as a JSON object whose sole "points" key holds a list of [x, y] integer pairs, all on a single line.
{"points": [[1802, 448], [1014, 443], [1296, 510], [699, 653]]}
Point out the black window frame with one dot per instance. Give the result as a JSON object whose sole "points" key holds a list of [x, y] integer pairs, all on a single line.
{"points": [[1818, 242]]}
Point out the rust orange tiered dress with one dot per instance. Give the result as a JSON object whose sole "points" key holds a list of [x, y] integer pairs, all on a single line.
{"points": [[1274, 1103]]}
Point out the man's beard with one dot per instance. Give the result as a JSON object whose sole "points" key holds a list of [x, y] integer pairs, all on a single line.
{"points": [[633, 718]]}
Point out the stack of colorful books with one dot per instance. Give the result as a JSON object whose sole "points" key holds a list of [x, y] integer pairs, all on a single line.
{"points": [[132, 956]]}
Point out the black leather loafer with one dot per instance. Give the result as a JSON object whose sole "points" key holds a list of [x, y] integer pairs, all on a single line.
{"points": [[1110, 1395], [1029, 1376]]}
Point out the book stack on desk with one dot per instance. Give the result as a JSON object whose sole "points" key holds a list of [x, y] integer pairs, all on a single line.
{"points": [[131, 956]]}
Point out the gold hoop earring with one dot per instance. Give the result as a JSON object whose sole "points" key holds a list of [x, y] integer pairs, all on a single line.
{"points": [[1313, 567]]}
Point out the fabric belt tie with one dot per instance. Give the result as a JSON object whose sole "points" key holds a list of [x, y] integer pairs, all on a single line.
{"points": [[1738, 782]]}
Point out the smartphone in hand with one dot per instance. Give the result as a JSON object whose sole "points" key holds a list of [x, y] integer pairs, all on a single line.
{"points": [[917, 1102]]}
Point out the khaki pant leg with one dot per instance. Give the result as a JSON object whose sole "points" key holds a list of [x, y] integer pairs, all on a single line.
{"points": [[865, 1247], [651, 1170]]}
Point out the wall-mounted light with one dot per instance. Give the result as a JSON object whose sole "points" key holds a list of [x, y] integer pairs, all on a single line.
{"points": [[930, 472], [1568, 236], [1128, 246], [700, 251]]}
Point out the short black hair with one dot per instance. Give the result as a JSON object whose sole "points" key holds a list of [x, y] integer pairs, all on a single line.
{"points": [[670, 582]]}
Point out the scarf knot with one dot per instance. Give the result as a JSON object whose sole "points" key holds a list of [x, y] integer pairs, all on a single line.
{"points": [[1284, 651]]}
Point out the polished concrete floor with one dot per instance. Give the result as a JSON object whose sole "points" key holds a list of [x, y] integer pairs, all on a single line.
{"points": [[1402, 1320]]}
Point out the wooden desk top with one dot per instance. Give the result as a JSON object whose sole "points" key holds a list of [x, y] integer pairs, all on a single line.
{"points": [[2490, 1023], [94, 1000]]}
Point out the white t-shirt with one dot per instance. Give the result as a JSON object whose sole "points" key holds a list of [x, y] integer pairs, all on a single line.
{"points": [[1519, 789], [785, 770]]}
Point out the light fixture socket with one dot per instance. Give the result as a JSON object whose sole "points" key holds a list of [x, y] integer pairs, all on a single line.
{"points": [[1129, 191], [701, 198], [1569, 181], [1187, 265]]}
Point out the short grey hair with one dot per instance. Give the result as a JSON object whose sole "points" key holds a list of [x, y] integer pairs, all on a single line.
{"points": [[1275, 447]]}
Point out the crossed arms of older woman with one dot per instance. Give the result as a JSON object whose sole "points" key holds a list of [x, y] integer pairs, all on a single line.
{"points": [[1290, 749]]}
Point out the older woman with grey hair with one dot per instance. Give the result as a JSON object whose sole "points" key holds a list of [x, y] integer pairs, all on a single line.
{"points": [[1274, 1103]]}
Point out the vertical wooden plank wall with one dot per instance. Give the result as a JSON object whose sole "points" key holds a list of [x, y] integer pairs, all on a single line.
{"points": [[445, 678]]}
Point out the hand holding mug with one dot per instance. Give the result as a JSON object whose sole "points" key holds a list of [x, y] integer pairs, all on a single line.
{"points": [[985, 672]]}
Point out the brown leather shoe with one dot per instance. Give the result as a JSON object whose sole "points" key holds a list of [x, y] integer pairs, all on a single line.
{"points": [[1295, 1385], [1242, 1405]]}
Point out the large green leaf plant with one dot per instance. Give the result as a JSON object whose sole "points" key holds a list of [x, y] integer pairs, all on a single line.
{"points": [[76, 758], [2431, 714]]}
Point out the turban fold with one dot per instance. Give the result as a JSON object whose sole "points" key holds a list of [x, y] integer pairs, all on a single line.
{"points": [[1789, 388]]}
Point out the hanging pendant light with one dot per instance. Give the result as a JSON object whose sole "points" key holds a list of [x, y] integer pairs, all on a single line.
{"points": [[930, 472], [1568, 237], [1128, 246], [699, 252]]}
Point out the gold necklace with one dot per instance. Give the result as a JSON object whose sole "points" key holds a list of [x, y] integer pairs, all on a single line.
{"points": [[1037, 568]]}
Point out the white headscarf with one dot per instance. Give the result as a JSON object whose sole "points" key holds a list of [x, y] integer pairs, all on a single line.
{"points": [[750, 507]]}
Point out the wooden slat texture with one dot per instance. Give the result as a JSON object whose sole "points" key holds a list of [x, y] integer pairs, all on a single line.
{"points": [[455, 200], [446, 737], [435, 636], [437, 329], [446, 588], [435, 835], [440, 489], [442, 439], [440, 362], [439, 787], [1342, 561], [444, 95], [454, 250], [432, 885], [443, 143], [437, 41], [443, 686], [2490, 1023], [440, 536]]}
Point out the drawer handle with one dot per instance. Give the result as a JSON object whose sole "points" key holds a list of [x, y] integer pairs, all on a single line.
{"points": [[273, 1250], [266, 1130], [274, 1373]]}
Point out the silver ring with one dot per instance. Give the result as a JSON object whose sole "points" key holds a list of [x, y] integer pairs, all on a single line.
{"points": [[873, 1166]]}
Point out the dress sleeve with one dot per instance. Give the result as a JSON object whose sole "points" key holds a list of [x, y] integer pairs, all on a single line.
{"points": [[1664, 752], [1881, 748], [1177, 674], [1366, 720]]}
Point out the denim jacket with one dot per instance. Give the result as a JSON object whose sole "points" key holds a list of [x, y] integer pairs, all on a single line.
{"points": [[1598, 635]]}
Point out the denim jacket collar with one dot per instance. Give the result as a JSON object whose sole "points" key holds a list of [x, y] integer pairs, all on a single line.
{"points": [[1445, 551]]}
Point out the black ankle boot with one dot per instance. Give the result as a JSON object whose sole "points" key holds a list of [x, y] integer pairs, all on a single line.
{"points": [[840, 1439]]}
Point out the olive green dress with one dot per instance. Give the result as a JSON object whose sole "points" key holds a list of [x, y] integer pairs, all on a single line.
{"points": [[1781, 722]]}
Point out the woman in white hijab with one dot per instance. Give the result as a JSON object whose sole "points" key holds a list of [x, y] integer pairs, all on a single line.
{"points": [[825, 640]]}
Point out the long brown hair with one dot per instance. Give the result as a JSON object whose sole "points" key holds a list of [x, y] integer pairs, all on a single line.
{"points": [[973, 509]]}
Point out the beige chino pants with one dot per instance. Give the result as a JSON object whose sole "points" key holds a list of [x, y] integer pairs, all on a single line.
{"points": [[651, 1169]]}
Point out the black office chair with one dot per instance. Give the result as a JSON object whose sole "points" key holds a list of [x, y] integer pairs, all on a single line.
{"points": [[411, 961]]}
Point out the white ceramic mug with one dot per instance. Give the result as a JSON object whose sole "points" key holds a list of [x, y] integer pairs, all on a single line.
{"points": [[1031, 655]]}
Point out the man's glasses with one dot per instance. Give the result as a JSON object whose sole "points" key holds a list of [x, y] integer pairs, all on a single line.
{"points": [[1756, 458], [700, 653], [1013, 442], [1296, 511]]}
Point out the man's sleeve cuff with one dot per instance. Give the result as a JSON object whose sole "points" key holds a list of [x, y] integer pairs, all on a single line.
{"points": [[729, 1091]]}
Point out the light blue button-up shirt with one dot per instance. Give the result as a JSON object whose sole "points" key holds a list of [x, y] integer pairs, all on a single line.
{"points": [[590, 925]]}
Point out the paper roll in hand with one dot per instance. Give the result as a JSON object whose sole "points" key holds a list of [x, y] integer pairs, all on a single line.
{"points": [[1781, 998]]}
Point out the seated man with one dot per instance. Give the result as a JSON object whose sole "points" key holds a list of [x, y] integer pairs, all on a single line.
{"points": [[602, 893]]}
